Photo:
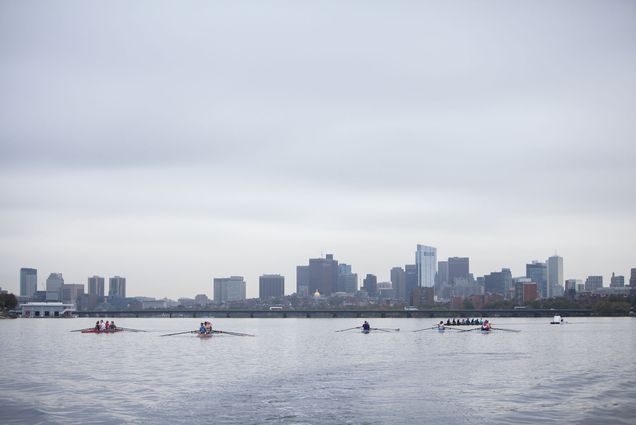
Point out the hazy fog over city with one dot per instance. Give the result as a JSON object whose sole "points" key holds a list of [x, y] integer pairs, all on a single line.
{"points": [[174, 142]]}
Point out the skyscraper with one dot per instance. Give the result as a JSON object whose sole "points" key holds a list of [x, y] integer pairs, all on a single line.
{"points": [[426, 261], [555, 276], [271, 286], [632, 279], [117, 287], [498, 282], [28, 282], [302, 281], [593, 282], [71, 292], [410, 277], [458, 268], [347, 281], [323, 275], [617, 281], [398, 281], [370, 284], [54, 287], [229, 289], [96, 286], [538, 273]]}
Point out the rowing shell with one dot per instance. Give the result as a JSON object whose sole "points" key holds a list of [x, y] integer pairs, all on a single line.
{"points": [[105, 331]]}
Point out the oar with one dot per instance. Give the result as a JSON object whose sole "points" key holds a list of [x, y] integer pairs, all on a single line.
{"points": [[507, 330], [349, 329], [425, 329], [80, 330], [131, 330], [468, 330], [180, 333], [230, 333], [386, 329]]}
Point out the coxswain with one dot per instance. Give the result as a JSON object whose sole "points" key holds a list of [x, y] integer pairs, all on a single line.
{"points": [[440, 325], [202, 329], [485, 326], [366, 326]]}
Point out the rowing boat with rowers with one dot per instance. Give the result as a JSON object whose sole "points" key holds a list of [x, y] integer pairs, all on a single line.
{"points": [[97, 331]]}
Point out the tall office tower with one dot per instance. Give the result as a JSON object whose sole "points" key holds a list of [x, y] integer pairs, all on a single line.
{"points": [[426, 261], [632, 279], [347, 281], [117, 287], [538, 273], [458, 268], [498, 282], [410, 275], [571, 285], [593, 282], [555, 276], [96, 286], [54, 287], [398, 281], [442, 273], [517, 283], [323, 275], [229, 289], [271, 286], [302, 281], [370, 284], [28, 282], [344, 268], [71, 292], [617, 281]]}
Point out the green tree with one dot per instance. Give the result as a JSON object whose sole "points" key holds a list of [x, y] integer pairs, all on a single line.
{"points": [[8, 301], [468, 305]]}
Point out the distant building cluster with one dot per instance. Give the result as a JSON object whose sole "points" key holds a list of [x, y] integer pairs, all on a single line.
{"points": [[424, 283]]}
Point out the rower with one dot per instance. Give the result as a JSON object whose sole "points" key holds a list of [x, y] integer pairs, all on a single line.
{"points": [[208, 327], [440, 325], [97, 326], [366, 326], [448, 322], [485, 326], [112, 325], [202, 329]]}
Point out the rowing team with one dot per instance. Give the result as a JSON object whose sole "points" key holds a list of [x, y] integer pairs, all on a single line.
{"points": [[464, 322], [485, 324], [205, 328], [101, 326]]}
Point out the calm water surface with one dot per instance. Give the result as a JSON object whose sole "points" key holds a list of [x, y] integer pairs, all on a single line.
{"points": [[300, 371]]}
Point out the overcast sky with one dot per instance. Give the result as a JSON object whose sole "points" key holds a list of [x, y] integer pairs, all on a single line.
{"points": [[174, 142]]}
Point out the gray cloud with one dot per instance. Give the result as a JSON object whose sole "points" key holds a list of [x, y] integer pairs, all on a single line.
{"points": [[290, 128]]}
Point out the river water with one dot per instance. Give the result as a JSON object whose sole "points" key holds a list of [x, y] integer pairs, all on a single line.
{"points": [[300, 371]]}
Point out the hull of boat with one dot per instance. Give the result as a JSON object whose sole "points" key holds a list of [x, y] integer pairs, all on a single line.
{"points": [[365, 331], [105, 331], [205, 335]]}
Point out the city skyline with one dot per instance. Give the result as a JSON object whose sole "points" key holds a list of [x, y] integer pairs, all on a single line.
{"points": [[218, 139], [252, 287]]}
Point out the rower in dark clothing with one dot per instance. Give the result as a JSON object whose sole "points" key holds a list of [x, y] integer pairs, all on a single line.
{"points": [[366, 326], [448, 322], [97, 326]]}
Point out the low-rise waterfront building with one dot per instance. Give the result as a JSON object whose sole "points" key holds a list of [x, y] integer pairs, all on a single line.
{"points": [[53, 309]]}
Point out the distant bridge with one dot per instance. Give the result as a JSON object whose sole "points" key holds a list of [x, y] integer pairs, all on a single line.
{"points": [[307, 313]]}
